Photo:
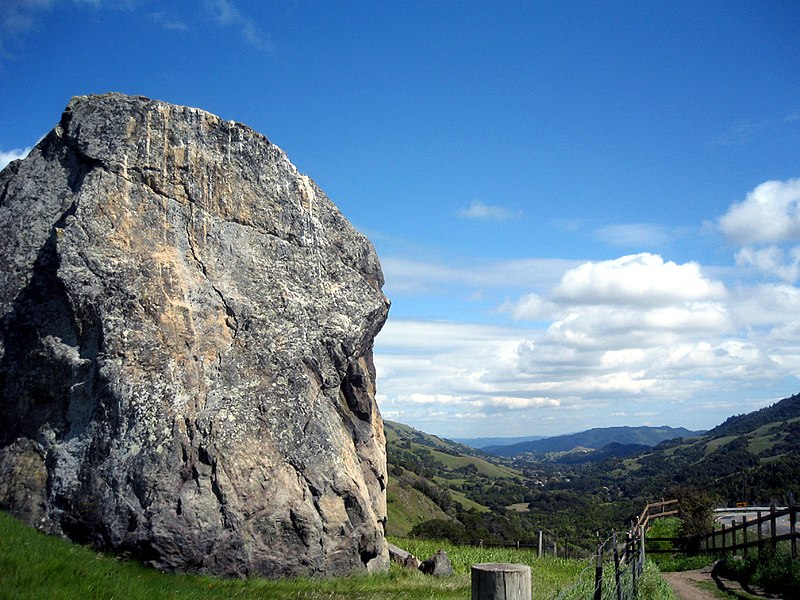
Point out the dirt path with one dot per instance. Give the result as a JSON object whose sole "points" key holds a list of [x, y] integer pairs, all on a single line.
{"points": [[683, 583]]}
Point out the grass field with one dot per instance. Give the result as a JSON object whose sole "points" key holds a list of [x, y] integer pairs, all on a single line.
{"points": [[34, 566], [484, 467], [408, 507]]}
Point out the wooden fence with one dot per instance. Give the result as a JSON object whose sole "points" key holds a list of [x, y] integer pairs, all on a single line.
{"points": [[759, 532]]}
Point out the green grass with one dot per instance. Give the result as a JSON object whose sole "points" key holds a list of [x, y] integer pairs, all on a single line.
{"points": [[632, 464], [718, 443], [468, 504], [34, 565], [484, 467], [758, 445], [775, 572], [408, 507]]}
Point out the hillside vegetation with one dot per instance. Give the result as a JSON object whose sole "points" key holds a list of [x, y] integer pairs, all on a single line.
{"points": [[753, 457], [431, 479]]}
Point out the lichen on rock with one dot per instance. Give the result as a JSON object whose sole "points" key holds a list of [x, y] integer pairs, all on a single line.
{"points": [[186, 348]]}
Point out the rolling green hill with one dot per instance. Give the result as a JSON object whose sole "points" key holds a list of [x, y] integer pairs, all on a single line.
{"points": [[431, 479], [753, 457]]}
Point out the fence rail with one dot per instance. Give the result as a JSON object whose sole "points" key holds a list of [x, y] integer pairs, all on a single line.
{"points": [[754, 532]]}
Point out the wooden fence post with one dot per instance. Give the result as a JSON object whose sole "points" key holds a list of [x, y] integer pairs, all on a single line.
{"points": [[744, 534], [733, 536], [632, 564], [793, 524], [626, 547], [760, 535], [501, 581], [641, 551], [616, 564], [773, 527], [598, 574], [540, 543], [724, 547]]}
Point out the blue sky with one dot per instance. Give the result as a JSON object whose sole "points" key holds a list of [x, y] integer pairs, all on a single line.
{"points": [[588, 213]]}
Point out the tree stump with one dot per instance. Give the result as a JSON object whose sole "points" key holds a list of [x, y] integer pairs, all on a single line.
{"points": [[501, 581]]}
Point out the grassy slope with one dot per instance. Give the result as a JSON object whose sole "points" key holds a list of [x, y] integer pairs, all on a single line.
{"points": [[484, 467], [33, 566], [408, 507], [761, 439]]}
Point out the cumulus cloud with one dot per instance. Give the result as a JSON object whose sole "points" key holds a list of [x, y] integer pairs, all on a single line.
{"points": [[639, 279], [618, 327], [15, 154], [486, 212], [726, 359], [530, 307], [769, 214], [772, 260], [637, 333]]}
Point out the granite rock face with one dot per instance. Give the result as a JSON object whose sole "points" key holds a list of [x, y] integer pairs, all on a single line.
{"points": [[186, 348]]}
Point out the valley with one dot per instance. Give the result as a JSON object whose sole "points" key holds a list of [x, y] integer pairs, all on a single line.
{"points": [[440, 488]]}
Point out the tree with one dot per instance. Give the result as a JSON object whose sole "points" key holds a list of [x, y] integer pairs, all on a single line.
{"points": [[694, 511]]}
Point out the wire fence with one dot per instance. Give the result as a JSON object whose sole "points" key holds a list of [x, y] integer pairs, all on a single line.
{"points": [[611, 573]]}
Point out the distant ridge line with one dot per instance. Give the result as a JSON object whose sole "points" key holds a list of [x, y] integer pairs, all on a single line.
{"points": [[595, 438]]}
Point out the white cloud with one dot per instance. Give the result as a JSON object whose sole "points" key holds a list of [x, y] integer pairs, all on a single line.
{"points": [[742, 133], [486, 212], [226, 14], [15, 154], [764, 306], [769, 214], [168, 21], [531, 307], [645, 336], [18, 17], [640, 279], [634, 235], [613, 327], [772, 261], [415, 276]]}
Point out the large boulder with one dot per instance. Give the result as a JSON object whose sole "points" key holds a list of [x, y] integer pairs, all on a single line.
{"points": [[186, 366]]}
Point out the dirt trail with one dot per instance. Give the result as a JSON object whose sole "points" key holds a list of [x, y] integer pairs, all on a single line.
{"points": [[684, 584]]}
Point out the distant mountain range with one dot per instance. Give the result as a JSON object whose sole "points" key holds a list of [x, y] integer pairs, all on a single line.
{"points": [[593, 438], [483, 442]]}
